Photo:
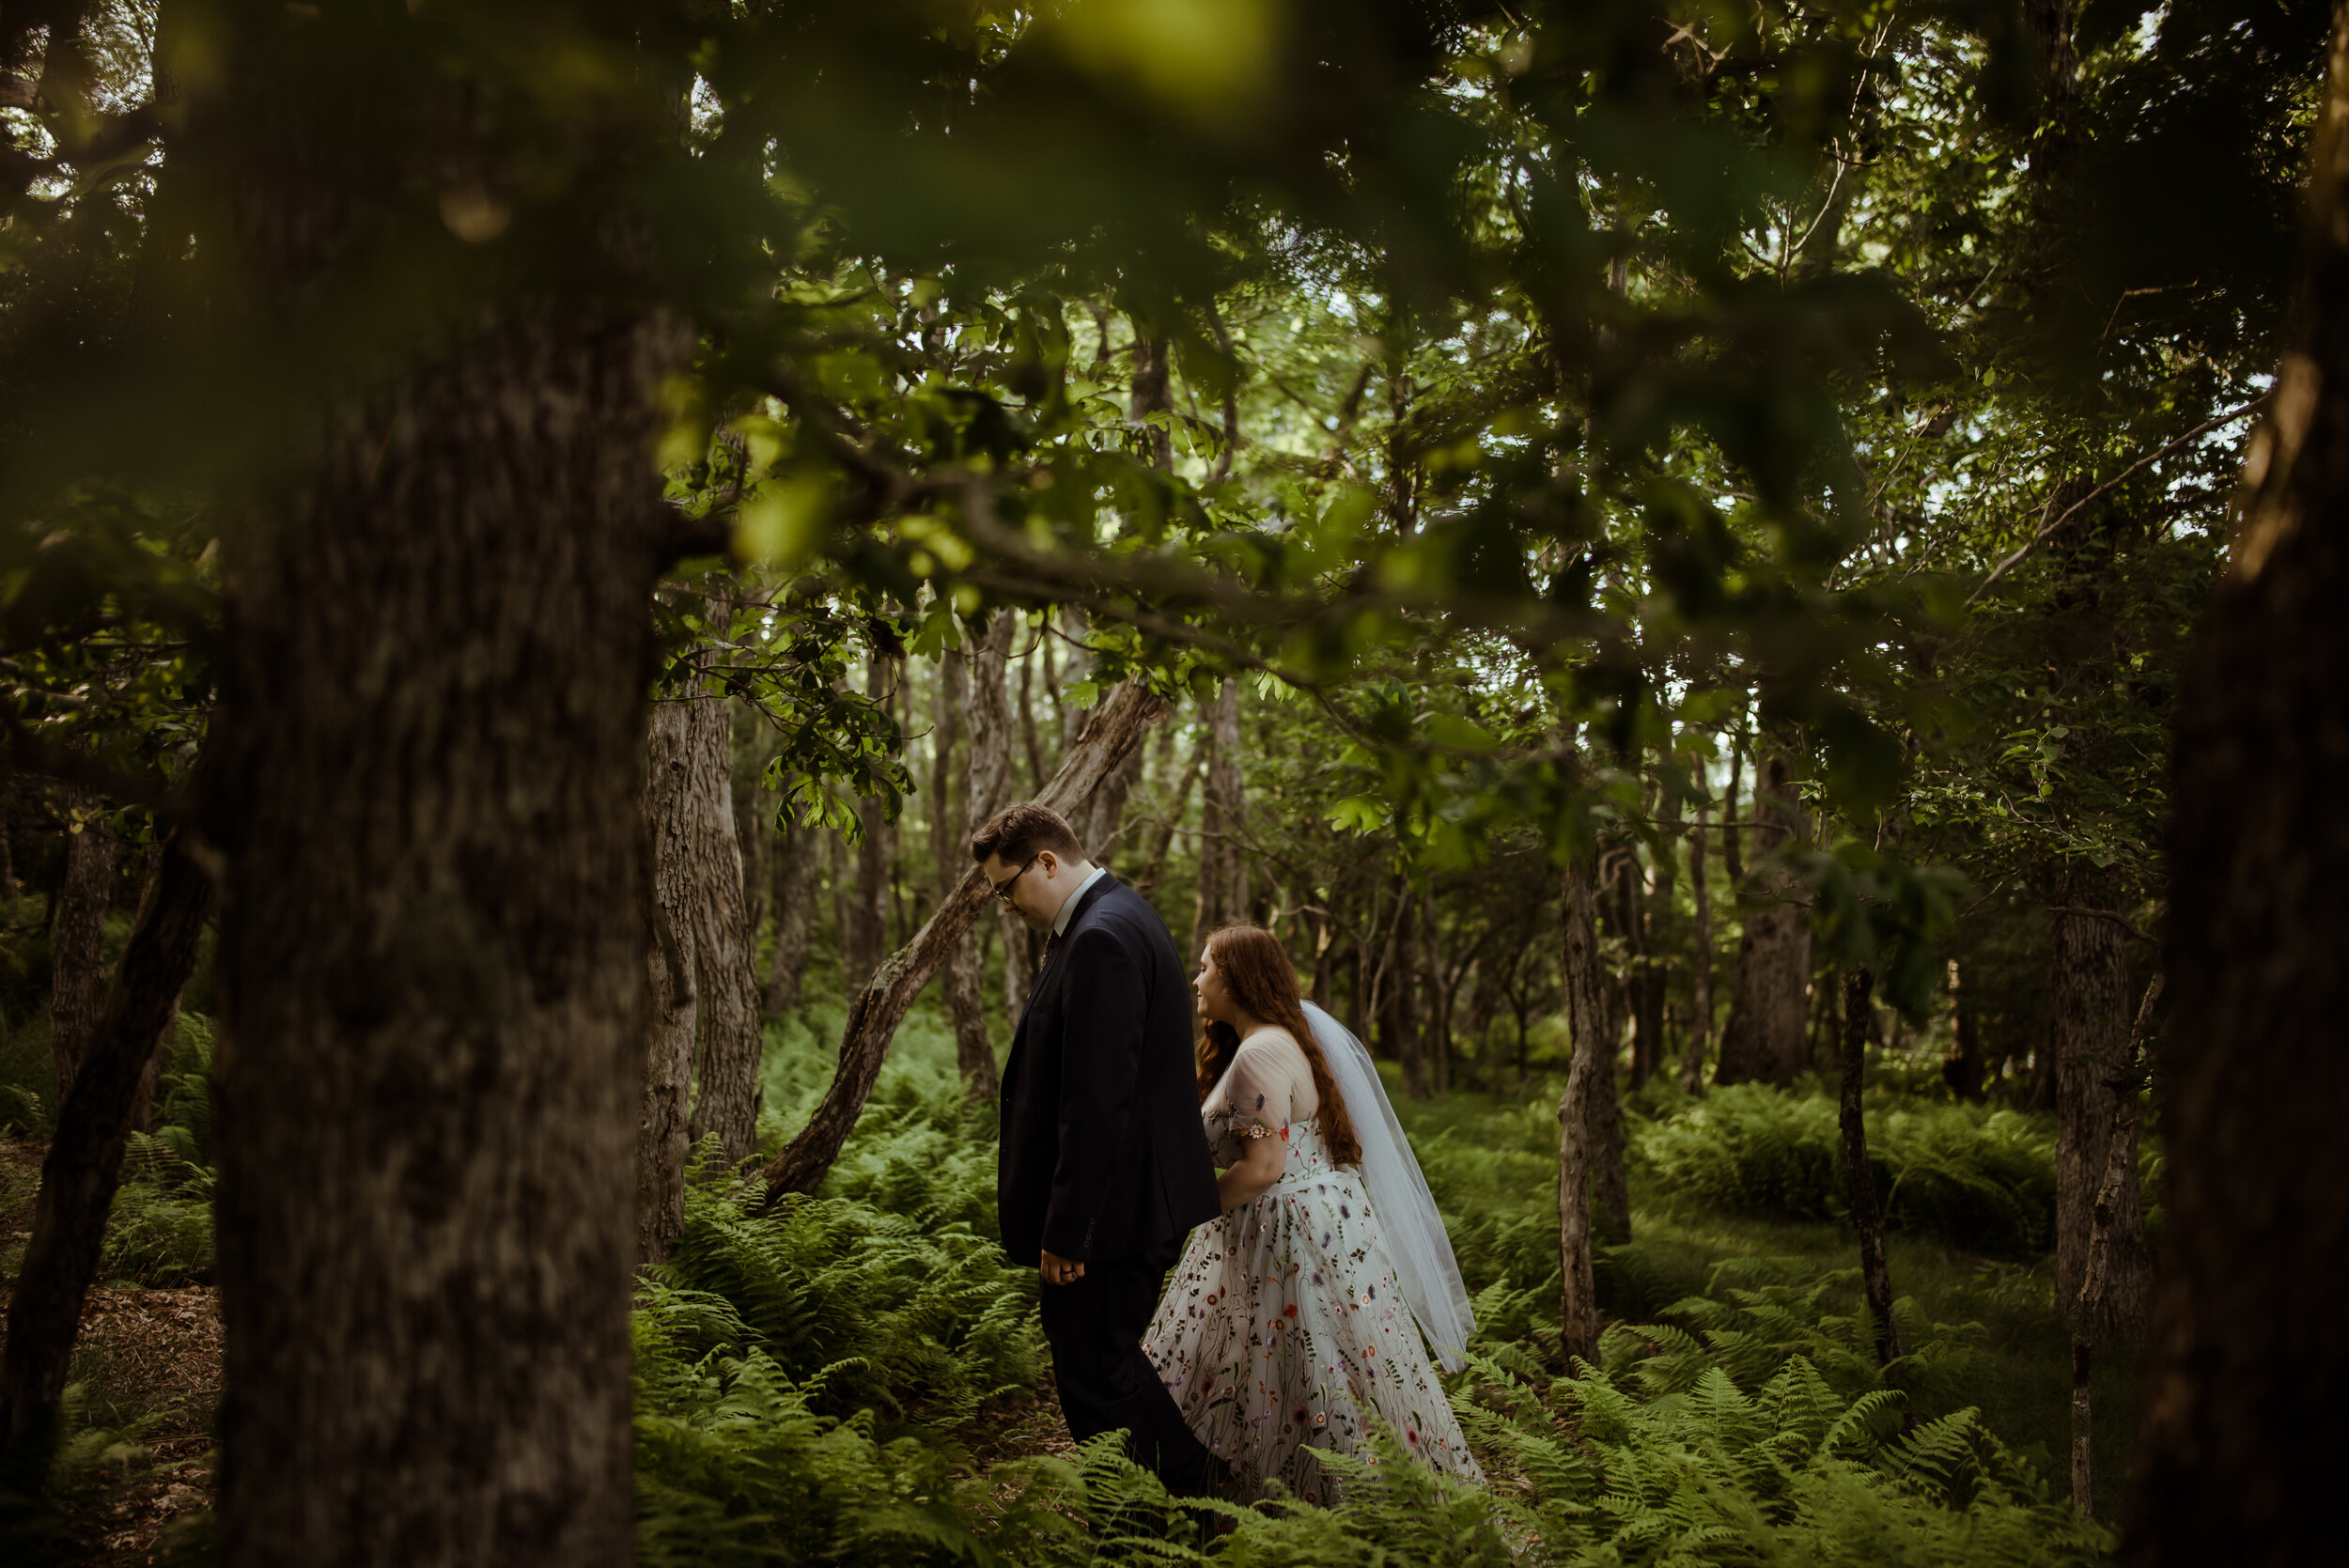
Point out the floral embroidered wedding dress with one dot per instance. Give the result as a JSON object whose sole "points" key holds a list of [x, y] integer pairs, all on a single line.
{"points": [[1282, 1331]]}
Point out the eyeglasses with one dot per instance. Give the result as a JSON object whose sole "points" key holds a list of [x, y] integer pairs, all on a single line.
{"points": [[1003, 889]]}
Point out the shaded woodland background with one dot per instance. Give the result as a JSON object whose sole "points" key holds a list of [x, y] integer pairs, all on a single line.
{"points": [[1750, 591]]}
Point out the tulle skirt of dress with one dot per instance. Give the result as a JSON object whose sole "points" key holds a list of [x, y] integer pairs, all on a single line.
{"points": [[1283, 1330]]}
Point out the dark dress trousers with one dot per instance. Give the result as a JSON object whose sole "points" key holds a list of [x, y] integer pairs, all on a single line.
{"points": [[1103, 1161]]}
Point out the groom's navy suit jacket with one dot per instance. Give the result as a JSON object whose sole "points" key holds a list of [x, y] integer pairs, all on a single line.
{"points": [[1103, 1153]]}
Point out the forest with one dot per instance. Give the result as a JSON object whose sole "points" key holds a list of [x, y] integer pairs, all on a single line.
{"points": [[1744, 588]]}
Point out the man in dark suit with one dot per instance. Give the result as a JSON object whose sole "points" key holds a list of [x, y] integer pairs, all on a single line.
{"points": [[1103, 1164]]}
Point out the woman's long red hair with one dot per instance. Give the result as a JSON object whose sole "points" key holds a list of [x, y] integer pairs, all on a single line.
{"points": [[1256, 972]]}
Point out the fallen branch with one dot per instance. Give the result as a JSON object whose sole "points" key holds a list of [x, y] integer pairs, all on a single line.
{"points": [[1110, 735]]}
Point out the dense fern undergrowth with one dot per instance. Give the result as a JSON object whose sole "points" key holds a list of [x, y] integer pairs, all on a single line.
{"points": [[816, 1382]]}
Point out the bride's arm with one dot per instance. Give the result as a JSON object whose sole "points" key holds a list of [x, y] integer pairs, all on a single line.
{"points": [[1248, 1177]]}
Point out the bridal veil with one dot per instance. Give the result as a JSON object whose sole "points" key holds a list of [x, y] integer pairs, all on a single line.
{"points": [[1416, 1243]]}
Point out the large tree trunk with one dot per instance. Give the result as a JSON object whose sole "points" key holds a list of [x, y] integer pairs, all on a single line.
{"points": [[2090, 984], [1577, 1306], [77, 987], [1867, 1215], [2242, 1447], [433, 715], [1117, 727], [84, 1165], [1764, 1039]]}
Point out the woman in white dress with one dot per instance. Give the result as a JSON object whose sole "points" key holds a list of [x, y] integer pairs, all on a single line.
{"points": [[1287, 1323]]}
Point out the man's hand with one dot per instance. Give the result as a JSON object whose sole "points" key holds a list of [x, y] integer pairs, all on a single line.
{"points": [[1057, 1270]]}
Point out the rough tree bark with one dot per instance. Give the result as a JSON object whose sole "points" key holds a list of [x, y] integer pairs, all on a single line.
{"points": [[2090, 984], [699, 874], [1118, 726], [673, 1017], [432, 717], [84, 1165], [1867, 1214], [1768, 1005], [1577, 1306], [77, 987], [2241, 1446]]}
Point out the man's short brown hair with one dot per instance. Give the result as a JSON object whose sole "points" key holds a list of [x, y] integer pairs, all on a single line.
{"points": [[1024, 831]]}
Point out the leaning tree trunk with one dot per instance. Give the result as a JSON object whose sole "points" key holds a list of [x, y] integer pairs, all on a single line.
{"points": [[1593, 1059], [84, 1165], [1764, 1040], [433, 715], [1116, 727], [2088, 975], [2242, 1447], [1859, 1176], [77, 987]]}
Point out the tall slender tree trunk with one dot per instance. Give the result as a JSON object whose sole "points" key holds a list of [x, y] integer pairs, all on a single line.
{"points": [[672, 1019], [1437, 1033], [1398, 1021], [1577, 1306], [84, 1165], [1964, 1068], [793, 856], [2241, 1446], [432, 720], [1162, 839], [1768, 1006], [869, 904], [1611, 1183], [1222, 897], [1867, 1214], [77, 987], [727, 1042], [2087, 1308], [1118, 725], [2090, 984], [1700, 965], [972, 681]]}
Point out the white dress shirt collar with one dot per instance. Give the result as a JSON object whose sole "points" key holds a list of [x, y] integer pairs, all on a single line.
{"points": [[1068, 904]]}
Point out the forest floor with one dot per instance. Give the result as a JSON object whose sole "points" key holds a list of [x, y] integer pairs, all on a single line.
{"points": [[148, 1364], [148, 1367]]}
